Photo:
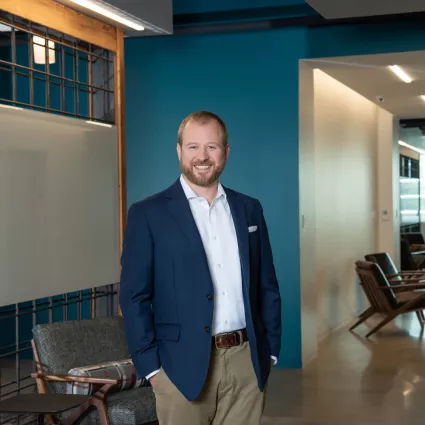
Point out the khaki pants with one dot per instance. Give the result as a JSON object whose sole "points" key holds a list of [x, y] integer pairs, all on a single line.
{"points": [[230, 395]]}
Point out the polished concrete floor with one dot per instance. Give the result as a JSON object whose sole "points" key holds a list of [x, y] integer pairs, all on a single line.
{"points": [[353, 381], [380, 380]]}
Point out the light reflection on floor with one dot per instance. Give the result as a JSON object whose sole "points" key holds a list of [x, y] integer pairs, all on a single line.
{"points": [[377, 380]]}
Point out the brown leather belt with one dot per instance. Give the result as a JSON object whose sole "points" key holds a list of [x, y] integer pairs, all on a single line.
{"points": [[230, 339]]}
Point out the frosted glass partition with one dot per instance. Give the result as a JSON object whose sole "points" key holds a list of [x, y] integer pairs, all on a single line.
{"points": [[59, 222]]}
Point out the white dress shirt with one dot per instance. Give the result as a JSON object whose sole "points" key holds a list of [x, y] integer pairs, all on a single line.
{"points": [[218, 234]]}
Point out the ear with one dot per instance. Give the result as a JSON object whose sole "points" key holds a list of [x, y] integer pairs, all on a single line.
{"points": [[227, 151], [179, 151]]}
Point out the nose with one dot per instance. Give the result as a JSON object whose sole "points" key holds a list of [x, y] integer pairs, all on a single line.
{"points": [[203, 154]]}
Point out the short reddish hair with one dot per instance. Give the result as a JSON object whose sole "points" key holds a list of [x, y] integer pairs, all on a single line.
{"points": [[203, 117]]}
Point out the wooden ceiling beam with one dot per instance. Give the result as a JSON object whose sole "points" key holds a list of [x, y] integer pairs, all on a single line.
{"points": [[65, 20]]}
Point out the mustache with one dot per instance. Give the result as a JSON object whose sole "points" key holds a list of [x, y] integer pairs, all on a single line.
{"points": [[203, 163]]}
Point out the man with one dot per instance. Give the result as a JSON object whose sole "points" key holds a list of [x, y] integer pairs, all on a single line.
{"points": [[199, 294]]}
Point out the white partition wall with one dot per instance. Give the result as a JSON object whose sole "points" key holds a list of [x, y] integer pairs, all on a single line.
{"points": [[348, 202], [59, 212]]}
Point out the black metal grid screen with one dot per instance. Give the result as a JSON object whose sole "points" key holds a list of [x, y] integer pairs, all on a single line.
{"points": [[45, 70], [17, 321]]}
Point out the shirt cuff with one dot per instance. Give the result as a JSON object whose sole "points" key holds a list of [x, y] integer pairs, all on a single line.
{"points": [[152, 374], [274, 359]]}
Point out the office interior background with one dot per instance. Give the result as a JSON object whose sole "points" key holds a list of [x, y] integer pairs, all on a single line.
{"points": [[323, 131]]}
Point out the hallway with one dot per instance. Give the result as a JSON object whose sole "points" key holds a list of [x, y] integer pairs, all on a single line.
{"points": [[356, 381]]}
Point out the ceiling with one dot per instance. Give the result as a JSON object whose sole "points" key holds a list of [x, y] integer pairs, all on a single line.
{"points": [[369, 75], [331, 9], [156, 15]]}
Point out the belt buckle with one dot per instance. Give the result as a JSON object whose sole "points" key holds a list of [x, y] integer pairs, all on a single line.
{"points": [[228, 344]]}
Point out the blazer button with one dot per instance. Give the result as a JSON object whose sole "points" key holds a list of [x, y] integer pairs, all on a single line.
{"points": [[209, 296], [207, 328]]}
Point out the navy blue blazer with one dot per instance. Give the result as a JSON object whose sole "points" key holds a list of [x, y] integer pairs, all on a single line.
{"points": [[167, 295]]}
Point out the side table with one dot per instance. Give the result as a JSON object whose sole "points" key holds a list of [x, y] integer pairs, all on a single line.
{"points": [[41, 404]]}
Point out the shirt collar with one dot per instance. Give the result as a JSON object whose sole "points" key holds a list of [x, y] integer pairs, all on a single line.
{"points": [[190, 193]]}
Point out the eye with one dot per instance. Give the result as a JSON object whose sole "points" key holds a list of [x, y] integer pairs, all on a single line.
{"points": [[192, 148], [212, 147]]}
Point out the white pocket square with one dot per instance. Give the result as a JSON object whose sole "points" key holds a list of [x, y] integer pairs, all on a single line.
{"points": [[252, 229]]}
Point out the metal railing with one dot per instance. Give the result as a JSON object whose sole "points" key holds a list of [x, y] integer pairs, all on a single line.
{"points": [[16, 322], [44, 70]]}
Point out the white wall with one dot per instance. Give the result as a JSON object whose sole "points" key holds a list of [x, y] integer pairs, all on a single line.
{"points": [[348, 163], [59, 216], [388, 222], [345, 132], [307, 211]]}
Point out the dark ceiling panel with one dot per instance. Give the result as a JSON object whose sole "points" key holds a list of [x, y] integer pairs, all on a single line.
{"points": [[331, 9]]}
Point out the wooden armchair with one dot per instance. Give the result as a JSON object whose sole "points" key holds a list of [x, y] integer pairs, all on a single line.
{"points": [[396, 277], [382, 296], [391, 271], [62, 346], [407, 260]]}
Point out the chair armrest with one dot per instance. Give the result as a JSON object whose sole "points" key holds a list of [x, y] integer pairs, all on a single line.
{"points": [[72, 378], [412, 273], [403, 279], [405, 285], [417, 246]]}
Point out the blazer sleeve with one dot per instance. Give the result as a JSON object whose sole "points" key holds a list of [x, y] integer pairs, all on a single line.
{"points": [[136, 292], [269, 294]]}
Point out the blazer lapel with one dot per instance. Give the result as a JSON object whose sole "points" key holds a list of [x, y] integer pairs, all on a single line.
{"points": [[237, 208], [180, 209]]}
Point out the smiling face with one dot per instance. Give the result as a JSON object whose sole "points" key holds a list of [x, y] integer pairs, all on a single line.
{"points": [[202, 152]]}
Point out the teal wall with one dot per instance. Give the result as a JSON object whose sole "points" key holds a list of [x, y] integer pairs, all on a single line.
{"points": [[40, 99], [198, 12], [350, 40], [251, 80], [5, 77]]}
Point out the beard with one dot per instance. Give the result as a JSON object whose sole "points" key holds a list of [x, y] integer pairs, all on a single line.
{"points": [[202, 180]]}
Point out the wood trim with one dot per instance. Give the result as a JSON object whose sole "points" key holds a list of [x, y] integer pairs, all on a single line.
{"points": [[41, 384], [64, 19], [120, 123], [57, 377]]}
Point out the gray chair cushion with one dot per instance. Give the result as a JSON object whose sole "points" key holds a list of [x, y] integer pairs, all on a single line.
{"points": [[65, 345], [132, 407]]}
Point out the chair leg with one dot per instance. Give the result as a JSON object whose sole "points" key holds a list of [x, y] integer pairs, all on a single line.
{"points": [[103, 412], [98, 402], [78, 412], [421, 318], [365, 315], [388, 319]]}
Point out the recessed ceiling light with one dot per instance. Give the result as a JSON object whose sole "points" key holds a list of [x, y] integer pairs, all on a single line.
{"points": [[413, 148], [400, 73], [423, 97]]}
